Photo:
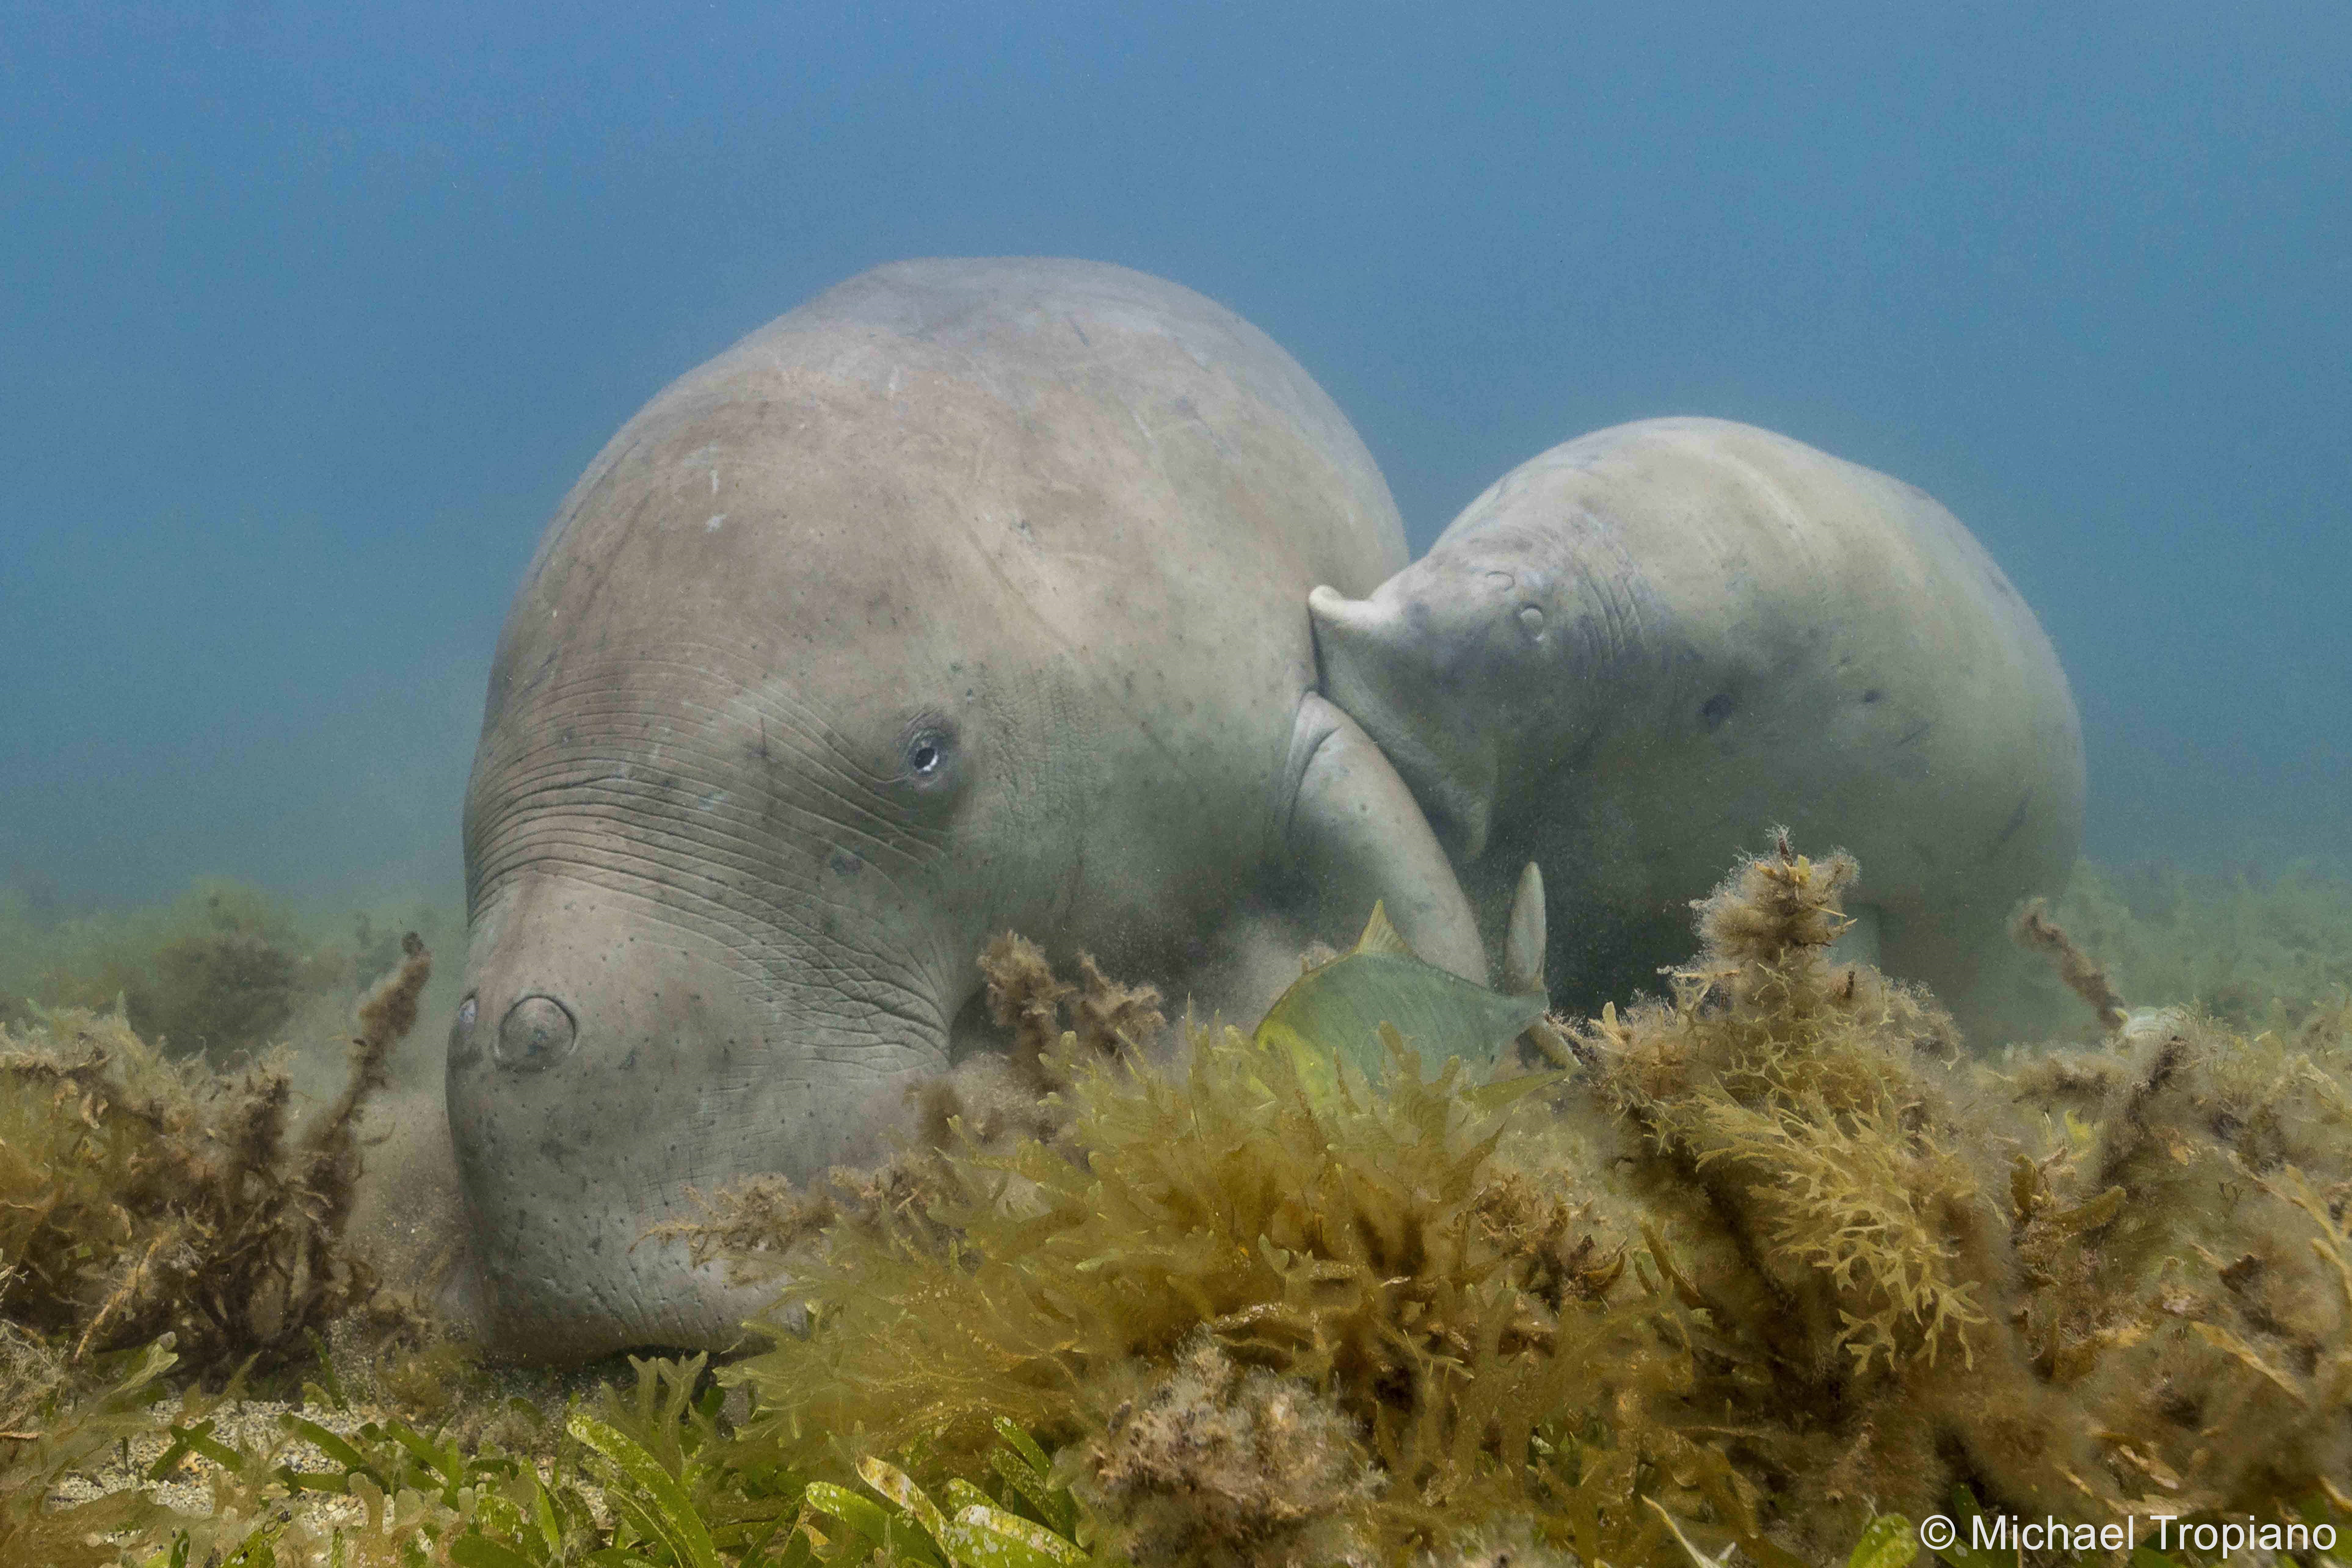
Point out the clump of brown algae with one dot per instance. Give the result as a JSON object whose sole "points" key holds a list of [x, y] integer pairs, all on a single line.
{"points": [[1766, 1257]]}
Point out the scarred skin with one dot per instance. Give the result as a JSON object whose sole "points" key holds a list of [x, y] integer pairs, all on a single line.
{"points": [[964, 597], [1637, 651]]}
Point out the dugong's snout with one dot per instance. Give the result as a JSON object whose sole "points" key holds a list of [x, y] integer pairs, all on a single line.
{"points": [[606, 1069]]}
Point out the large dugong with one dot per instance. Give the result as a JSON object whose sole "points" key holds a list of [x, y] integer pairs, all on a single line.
{"points": [[966, 596], [1637, 651]]}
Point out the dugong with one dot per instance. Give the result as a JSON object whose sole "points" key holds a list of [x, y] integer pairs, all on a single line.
{"points": [[967, 596], [1635, 651]]}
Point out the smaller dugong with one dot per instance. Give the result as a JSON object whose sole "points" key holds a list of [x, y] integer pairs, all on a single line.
{"points": [[1637, 651]]}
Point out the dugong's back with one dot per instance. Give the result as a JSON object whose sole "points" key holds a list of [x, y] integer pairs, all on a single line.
{"points": [[1023, 324], [1034, 336], [1009, 466]]}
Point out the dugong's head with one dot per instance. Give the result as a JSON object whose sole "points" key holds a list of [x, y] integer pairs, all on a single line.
{"points": [[954, 600], [1479, 666]]}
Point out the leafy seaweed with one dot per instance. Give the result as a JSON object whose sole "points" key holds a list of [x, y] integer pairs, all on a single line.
{"points": [[1261, 1257], [58, 1431], [2081, 1284], [1761, 1273], [141, 1196]]}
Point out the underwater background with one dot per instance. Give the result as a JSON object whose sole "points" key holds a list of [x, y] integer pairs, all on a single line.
{"points": [[310, 314]]}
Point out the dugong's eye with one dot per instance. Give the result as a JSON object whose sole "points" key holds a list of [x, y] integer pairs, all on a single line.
{"points": [[928, 753]]}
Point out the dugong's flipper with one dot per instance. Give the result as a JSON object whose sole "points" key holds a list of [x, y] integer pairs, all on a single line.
{"points": [[1357, 832], [1523, 944], [1408, 678]]}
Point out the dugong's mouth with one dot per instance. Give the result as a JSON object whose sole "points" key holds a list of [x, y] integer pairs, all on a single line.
{"points": [[548, 1287]]}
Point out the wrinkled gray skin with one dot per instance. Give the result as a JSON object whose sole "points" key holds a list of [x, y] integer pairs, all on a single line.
{"points": [[964, 597], [1635, 651]]}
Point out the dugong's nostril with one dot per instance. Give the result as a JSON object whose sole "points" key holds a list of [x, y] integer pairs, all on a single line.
{"points": [[537, 1032]]}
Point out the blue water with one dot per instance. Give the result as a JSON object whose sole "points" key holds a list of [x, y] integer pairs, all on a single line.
{"points": [[309, 314]]}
